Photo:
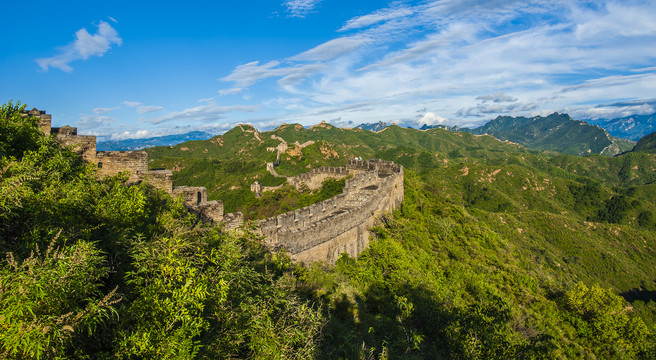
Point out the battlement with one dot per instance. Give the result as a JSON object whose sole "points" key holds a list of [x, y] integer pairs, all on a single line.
{"points": [[322, 231]]}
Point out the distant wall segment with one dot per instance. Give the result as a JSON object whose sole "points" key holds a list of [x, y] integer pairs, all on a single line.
{"points": [[111, 163]]}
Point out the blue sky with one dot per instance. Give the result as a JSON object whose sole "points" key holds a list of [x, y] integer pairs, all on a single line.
{"points": [[137, 69]]}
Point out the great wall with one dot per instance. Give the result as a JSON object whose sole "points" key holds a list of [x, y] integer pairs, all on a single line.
{"points": [[318, 232]]}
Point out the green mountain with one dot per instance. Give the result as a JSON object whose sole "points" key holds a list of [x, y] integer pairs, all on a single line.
{"points": [[647, 143], [497, 252], [239, 156], [556, 132]]}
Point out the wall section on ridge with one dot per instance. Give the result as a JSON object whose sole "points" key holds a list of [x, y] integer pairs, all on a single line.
{"points": [[322, 231]]}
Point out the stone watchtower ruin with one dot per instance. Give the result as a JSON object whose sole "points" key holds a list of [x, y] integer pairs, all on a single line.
{"points": [[135, 163]]}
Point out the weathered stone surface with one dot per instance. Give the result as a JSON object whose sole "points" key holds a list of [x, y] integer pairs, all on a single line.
{"points": [[322, 231]]}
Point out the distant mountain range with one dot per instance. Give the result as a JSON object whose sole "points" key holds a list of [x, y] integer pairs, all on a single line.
{"points": [[138, 144], [373, 127], [631, 127], [556, 132]]}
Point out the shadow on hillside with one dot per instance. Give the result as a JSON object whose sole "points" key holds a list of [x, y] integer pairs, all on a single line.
{"points": [[416, 325], [639, 294], [372, 324]]}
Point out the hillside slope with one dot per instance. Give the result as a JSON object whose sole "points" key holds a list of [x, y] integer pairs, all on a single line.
{"points": [[239, 156], [556, 132], [497, 252], [647, 143]]}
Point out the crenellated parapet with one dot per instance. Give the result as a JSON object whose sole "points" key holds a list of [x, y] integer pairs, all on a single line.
{"points": [[322, 231]]}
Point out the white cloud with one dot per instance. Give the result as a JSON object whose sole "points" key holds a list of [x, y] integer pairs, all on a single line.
{"points": [[94, 124], [101, 110], [84, 46], [377, 17], [143, 109], [204, 113], [248, 74], [462, 59], [234, 90], [139, 134], [497, 98], [132, 103], [430, 118], [331, 49], [300, 8]]}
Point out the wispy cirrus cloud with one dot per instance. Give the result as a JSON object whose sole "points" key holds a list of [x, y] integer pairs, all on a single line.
{"points": [[104, 110], [203, 113], [84, 46], [300, 8], [248, 74], [461, 59], [142, 109]]}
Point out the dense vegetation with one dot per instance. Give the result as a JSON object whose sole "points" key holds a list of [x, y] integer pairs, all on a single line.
{"points": [[98, 269], [647, 143], [496, 252]]}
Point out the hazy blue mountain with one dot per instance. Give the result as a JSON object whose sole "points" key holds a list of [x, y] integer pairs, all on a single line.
{"points": [[138, 144], [373, 127], [631, 127], [445, 127], [556, 132]]}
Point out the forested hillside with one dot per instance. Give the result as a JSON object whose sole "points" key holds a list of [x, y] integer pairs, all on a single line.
{"points": [[647, 143], [497, 252], [556, 132]]}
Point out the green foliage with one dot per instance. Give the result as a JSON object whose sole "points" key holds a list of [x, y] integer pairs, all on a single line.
{"points": [[49, 298], [18, 133], [604, 319], [496, 252], [127, 272], [287, 198]]}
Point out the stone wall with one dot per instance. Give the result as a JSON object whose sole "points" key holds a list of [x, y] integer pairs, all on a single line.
{"points": [[161, 179], [322, 231], [113, 162], [315, 177], [85, 145], [44, 119]]}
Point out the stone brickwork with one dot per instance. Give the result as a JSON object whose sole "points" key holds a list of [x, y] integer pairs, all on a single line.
{"points": [[44, 119], [322, 231], [161, 179], [315, 177], [113, 162]]}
